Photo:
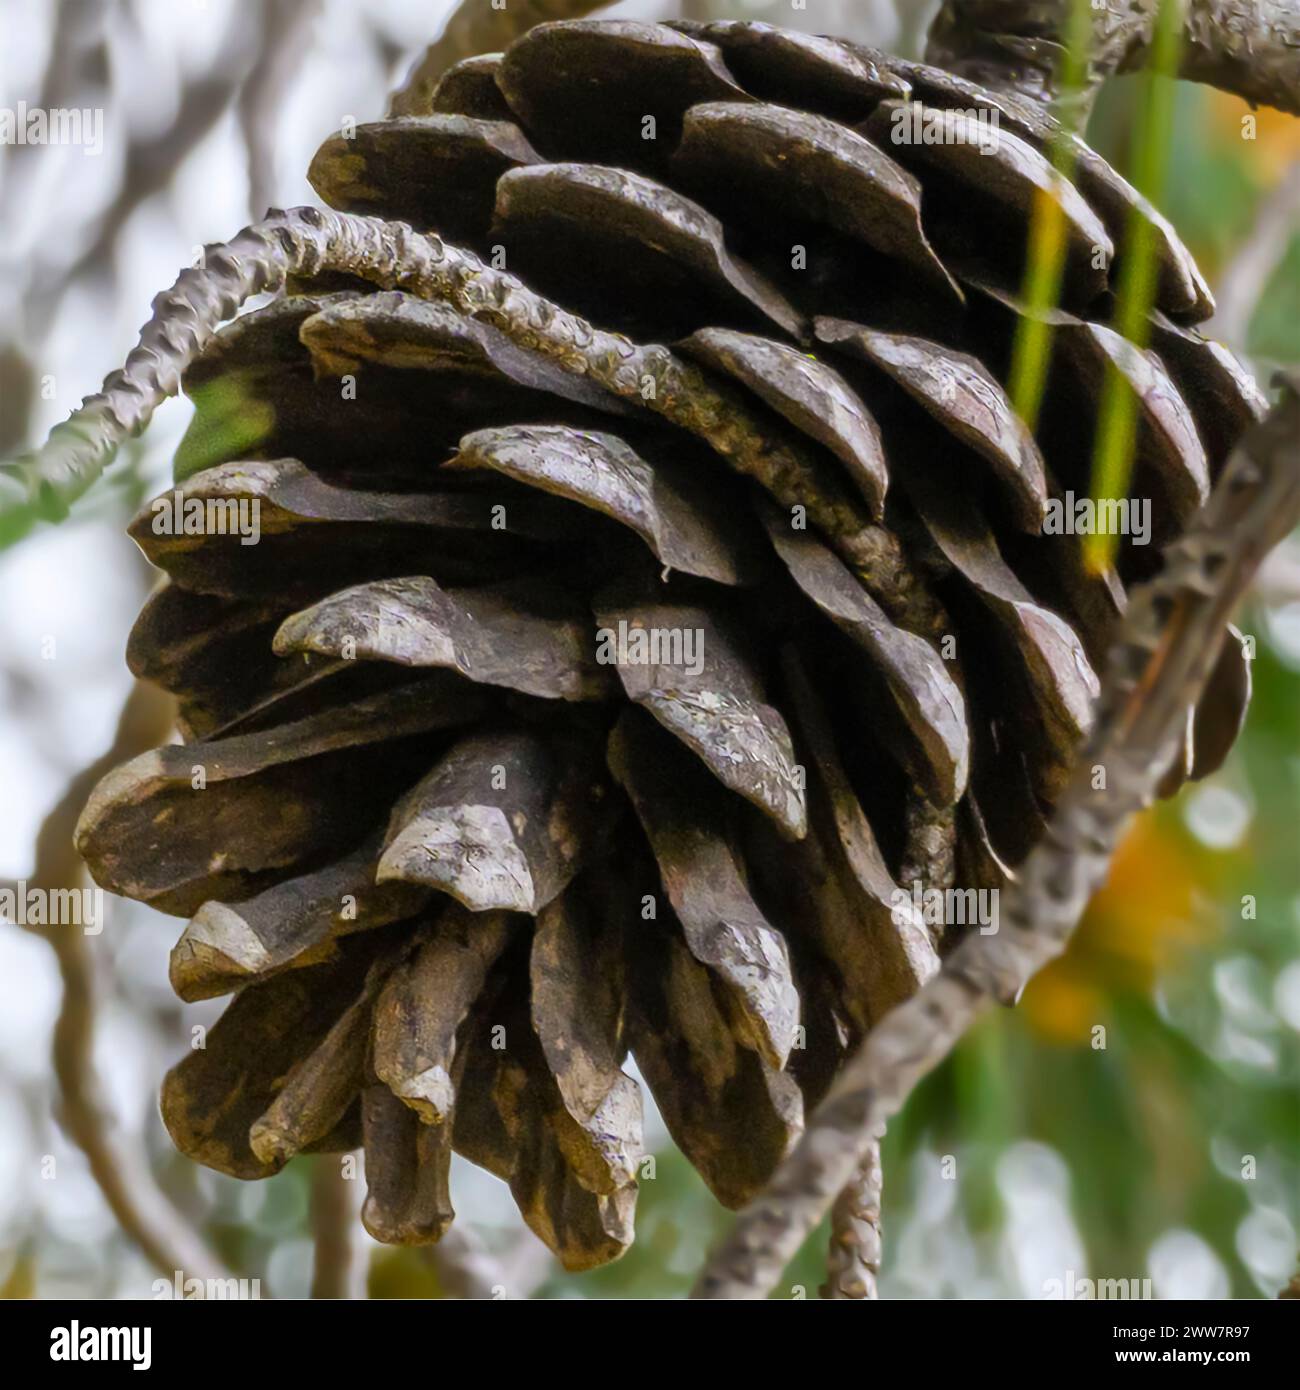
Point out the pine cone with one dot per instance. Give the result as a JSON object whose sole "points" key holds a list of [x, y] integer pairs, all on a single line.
{"points": [[538, 729]]}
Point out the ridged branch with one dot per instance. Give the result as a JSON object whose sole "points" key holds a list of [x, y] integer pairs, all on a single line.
{"points": [[857, 1242], [1248, 47], [309, 241], [1158, 667]]}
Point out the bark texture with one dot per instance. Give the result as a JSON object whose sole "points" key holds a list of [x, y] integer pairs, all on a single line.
{"points": [[857, 1242], [1248, 47]]}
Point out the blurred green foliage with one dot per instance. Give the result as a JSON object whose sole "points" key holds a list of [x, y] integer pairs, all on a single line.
{"points": [[228, 419]]}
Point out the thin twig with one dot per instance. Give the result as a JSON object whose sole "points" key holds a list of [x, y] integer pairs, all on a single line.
{"points": [[1157, 669], [1244, 279], [340, 1266], [528, 1265], [77, 47], [150, 166], [466, 1268], [142, 1210], [285, 24], [857, 1242]]}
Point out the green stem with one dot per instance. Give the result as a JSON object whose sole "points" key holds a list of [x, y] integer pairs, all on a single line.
{"points": [[1117, 426], [1045, 268]]}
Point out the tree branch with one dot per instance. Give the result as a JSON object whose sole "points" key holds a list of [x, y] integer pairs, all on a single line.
{"points": [[286, 24], [123, 1175], [1158, 667], [341, 1263], [856, 1244], [466, 1268], [1248, 47], [150, 166], [1244, 279]]}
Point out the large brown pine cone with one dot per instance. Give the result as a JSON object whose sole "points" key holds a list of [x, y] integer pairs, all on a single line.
{"points": [[532, 734]]}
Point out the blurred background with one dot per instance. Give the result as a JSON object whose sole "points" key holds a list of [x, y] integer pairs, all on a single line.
{"points": [[1165, 1146]]}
